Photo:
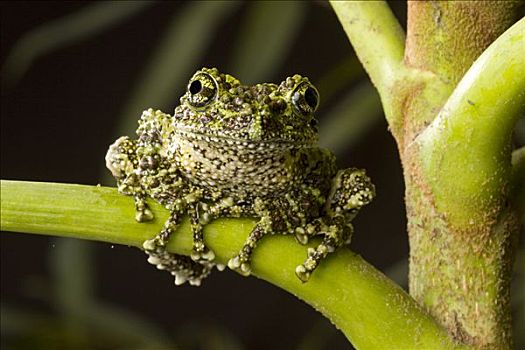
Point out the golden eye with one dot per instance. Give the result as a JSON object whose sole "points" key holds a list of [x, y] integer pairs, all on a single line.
{"points": [[305, 98], [202, 90]]}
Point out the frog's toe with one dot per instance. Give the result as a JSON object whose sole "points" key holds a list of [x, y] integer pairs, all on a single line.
{"points": [[209, 255], [195, 282], [302, 273], [180, 277], [150, 244], [240, 266], [234, 263], [245, 269], [144, 215]]}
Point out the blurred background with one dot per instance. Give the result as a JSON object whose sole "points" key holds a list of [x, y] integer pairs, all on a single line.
{"points": [[77, 75]]}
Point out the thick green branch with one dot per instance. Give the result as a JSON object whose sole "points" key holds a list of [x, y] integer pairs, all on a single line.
{"points": [[378, 40], [466, 151], [445, 37], [372, 311]]}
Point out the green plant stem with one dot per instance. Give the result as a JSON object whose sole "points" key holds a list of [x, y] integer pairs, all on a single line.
{"points": [[445, 37], [478, 119], [443, 40], [458, 174], [378, 40], [372, 311]]}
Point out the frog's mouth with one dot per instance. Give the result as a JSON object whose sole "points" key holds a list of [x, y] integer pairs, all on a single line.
{"points": [[241, 142]]}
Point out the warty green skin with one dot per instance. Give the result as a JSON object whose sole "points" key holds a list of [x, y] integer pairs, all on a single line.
{"points": [[231, 150]]}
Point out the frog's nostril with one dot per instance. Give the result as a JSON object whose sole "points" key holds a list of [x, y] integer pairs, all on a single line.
{"points": [[277, 106]]}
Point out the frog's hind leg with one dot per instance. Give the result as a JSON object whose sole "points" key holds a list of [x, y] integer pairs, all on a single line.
{"points": [[278, 217], [183, 268], [351, 190], [122, 161], [201, 213]]}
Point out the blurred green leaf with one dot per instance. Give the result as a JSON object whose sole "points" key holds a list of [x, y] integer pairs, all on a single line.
{"points": [[351, 118], [340, 75], [90, 20], [175, 59], [398, 272], [128, 326], [265, 37], [206, 335], [105, 327], [15, 320], [318, 336], [71, 265]]}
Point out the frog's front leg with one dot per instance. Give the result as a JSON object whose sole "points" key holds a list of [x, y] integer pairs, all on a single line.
{"points": [[199, 217], [201, 213], [274, 219], [241, 262], [351, 190]]}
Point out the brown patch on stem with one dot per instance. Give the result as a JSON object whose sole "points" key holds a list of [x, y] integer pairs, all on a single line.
{"points": [[440, 32], [461, 275]]}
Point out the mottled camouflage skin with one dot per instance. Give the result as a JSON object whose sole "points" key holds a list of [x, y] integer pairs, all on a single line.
{"points": [[234, 150]]}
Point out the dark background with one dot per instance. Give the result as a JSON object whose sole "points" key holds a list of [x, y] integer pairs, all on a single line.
{"points": [[57, 120]]}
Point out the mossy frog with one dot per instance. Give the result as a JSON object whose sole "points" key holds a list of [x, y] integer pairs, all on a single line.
{"points": [[234, 150]]}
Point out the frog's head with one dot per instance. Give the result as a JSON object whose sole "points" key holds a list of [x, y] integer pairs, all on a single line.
{"points": [[217, 106]]}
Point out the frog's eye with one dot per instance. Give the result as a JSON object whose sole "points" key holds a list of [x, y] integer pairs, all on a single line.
{"points": [[305, 98], [202, 90]]}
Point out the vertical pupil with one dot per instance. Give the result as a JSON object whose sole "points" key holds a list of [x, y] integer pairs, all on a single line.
{"points": [[310, 97], [195, 87]]}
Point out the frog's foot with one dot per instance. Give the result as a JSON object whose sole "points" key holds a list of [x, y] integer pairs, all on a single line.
{"points": [[183, 268], [120, 158], [315, 255], [335, 235], [241, 262], [351, 190]]}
